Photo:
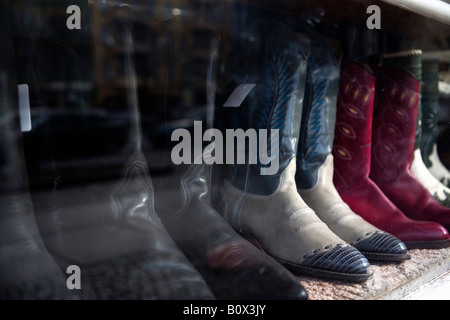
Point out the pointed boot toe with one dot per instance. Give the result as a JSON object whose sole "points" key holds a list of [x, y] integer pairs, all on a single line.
{"points": [[433, 236], [238, 270], [342, 262], [383, 246]]}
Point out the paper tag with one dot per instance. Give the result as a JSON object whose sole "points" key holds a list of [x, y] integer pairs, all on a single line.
{"points": [[24, 107], [238, 95]]}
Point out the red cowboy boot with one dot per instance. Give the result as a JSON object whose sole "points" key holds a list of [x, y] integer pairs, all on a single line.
{"points": [[394, 129], [352, 162]]}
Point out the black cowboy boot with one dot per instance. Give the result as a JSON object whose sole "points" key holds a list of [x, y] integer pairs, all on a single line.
{"points": [[261, 199], [418, 168], [27, 269], [430, 108], [109, 228], [232, 267], [314, 174], [427, 131]]}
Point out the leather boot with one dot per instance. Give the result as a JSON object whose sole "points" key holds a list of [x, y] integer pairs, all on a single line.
{"points": [[352, 148], [394, 128], [28, 272], [233, 268], [314, 174], [430, 107], [267, 207], [418, 168], [110, 228]]}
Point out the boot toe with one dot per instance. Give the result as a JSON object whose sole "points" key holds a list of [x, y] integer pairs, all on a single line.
{"points": [[339, 259], [296, 293], [383, 246], [339, 263]]}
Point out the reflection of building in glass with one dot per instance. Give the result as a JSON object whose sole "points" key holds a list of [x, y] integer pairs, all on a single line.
{"points": [[171, 47], [78, 79]]}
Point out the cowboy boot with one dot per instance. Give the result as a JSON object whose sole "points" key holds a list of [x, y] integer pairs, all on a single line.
{"points": [[232, 267], [28, 272], [394, 129], [430, 107], [352, 149], [118, 241], [265, 206], [418, 168], [314, 174], [110, 229]]}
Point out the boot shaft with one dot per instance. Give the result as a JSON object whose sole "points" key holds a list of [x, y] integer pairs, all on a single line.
{"points": [[395, 119], [430, 106], [410, 61], [353, 132], [274, 60], [319, 111]]}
